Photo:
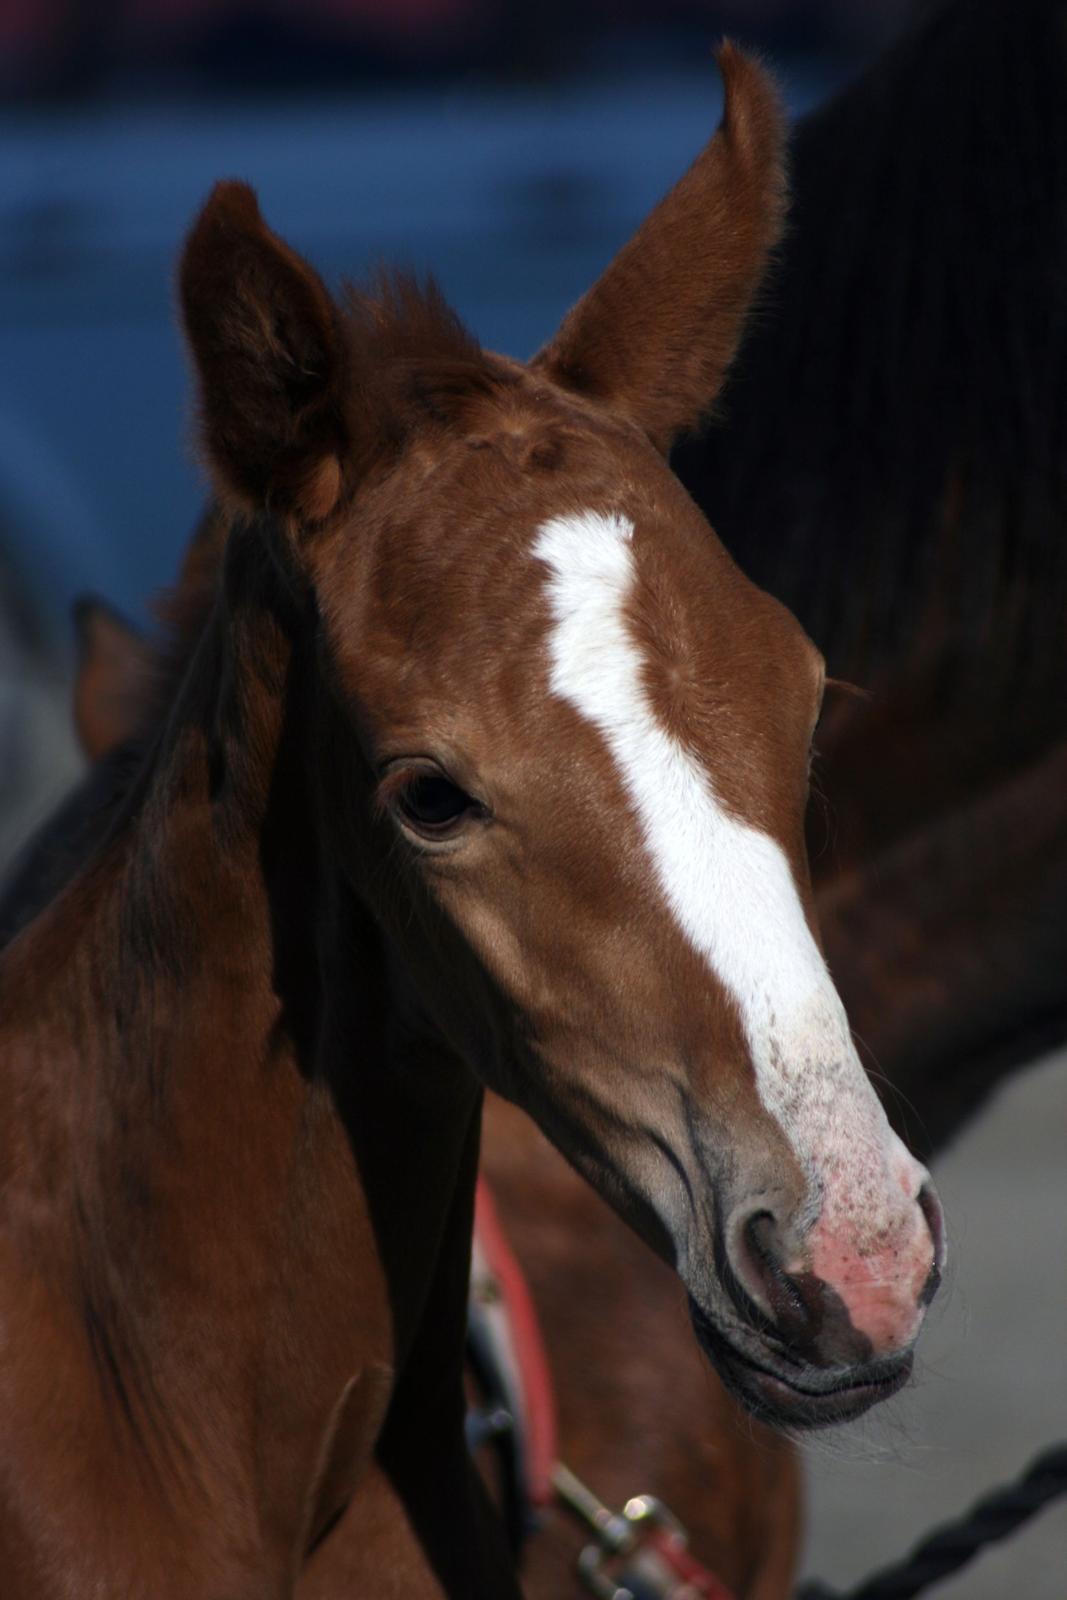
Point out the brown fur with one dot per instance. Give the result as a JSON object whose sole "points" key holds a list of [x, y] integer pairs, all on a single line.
{"points": [[244, 1043]]}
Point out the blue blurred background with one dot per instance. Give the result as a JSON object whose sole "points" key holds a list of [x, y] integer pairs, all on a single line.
{"points": [[509, 148]]}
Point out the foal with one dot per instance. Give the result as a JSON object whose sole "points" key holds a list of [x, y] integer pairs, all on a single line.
{"points": [[608, 1307], [489, 767]]}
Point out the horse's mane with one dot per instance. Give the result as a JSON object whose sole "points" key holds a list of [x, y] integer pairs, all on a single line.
{"points": [[894, 460]]}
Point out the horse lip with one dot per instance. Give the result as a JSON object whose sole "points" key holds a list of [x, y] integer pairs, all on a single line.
{"points": [[819, 1399]]}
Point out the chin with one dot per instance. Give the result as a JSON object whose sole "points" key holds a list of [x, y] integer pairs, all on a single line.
{"points": [[794, 1395]]}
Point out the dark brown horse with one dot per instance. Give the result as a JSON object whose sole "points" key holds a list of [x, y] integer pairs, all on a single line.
{"points": [[488, 767]]}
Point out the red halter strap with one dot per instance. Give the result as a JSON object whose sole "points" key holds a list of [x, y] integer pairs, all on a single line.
{"points": [[641, 1552], [518, 1347]]}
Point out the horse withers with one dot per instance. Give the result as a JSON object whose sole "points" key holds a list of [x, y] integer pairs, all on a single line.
{"points": [[489, 767]]}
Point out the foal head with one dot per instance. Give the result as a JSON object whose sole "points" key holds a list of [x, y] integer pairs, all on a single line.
{"points": [[572, 745]]}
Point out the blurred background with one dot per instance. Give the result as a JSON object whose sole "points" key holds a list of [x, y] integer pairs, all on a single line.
{"points": [[511, 148]]}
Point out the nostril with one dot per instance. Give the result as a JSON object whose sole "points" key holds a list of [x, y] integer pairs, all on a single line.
{"points": [[778, 1291], [761, 1242], [802, 1309], [930, 1206], [739, 1271]]}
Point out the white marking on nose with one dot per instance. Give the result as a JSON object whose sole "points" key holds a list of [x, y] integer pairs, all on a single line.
{"points": [[728, 885]]}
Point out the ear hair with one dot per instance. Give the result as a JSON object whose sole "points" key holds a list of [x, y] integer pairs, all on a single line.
{"points": [[654, 337], [271, 354], [427, 367]]}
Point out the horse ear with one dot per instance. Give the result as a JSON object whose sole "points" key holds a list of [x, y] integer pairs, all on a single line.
{"points": [[114, 678], [655, 335], [271, 358]]}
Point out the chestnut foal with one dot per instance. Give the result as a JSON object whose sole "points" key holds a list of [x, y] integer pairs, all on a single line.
{"points": [[488, 768], [608, 1307]]}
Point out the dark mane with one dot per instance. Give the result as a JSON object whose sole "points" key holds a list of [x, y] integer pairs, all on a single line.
{"points": [[894, 458]]}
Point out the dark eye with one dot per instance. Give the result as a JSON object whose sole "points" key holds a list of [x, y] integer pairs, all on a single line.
{"points": [[431, 805]]}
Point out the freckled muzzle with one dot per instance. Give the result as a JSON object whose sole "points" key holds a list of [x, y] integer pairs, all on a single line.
{"points": [[884, 1286]]}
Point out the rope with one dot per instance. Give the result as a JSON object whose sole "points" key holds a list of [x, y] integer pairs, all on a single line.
{"points": [[951, 1547]]}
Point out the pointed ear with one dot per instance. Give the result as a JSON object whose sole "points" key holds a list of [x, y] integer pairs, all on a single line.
{"points": [[114, 678], [655, 335], [270, 353]]}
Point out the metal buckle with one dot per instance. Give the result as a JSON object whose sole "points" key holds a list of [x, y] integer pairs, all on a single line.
{"points": [[619, 1536]]}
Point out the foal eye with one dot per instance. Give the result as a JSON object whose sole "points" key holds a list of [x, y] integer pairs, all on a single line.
{"points": [[434, 807]]}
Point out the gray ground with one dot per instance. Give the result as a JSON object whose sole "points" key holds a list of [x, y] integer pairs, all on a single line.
{"points": [[992, 1386]]}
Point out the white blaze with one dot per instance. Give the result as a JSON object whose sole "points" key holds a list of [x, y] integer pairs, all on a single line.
{"points": [[728, 885]]}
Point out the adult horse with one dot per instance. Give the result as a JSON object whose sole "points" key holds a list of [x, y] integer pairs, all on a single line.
{"points": [[381, 854]]}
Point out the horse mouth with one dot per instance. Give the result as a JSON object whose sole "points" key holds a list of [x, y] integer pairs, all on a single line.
{"points": [[814, 1398]]}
